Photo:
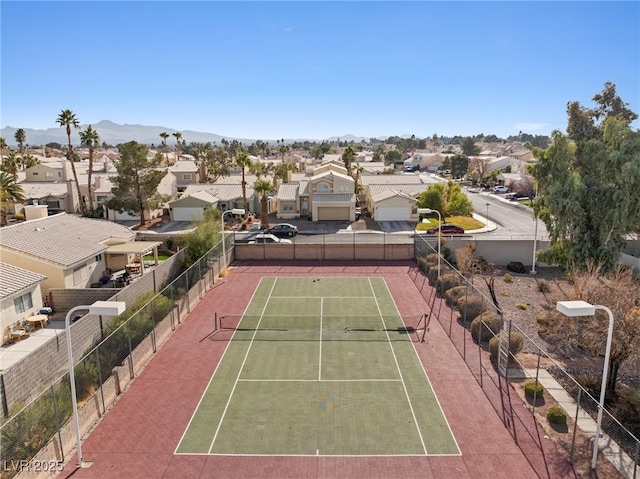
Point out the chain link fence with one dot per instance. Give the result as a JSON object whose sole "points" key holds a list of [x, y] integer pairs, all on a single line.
{"points": [[37, 438], [488, 343]]}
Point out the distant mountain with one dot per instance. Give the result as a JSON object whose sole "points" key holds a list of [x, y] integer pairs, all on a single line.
{"points": [[114, 133]]}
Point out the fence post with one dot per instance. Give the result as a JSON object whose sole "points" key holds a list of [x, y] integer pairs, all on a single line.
{"points": [[58, 425], [186, 278], [199, 281], [575, 427], [173, 307], [131, 374], [3, 393], [104, 407], [535, 391], [153, 275]]}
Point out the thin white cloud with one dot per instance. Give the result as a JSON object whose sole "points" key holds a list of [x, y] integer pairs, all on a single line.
{"points": [[529, 127]]}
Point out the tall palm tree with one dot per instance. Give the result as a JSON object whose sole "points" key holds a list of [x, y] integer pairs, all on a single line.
{"points": [[20, 137], [348, 156], [11, 164], [358, 169], [3, 146], [91, 139], [164, 135], [178, 136], [244, 161], [67, 119], [11, 192], [263, 187]]}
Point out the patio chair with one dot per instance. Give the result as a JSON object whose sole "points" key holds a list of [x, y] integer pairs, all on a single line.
{"points": [[17, 333]]}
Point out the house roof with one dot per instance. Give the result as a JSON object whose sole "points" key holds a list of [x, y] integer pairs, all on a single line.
{"points": [[334, 197], [185, 166], [223, 192], [390, 179], [332, 173], [203, 196], [288, 192], [386, 194], [14, 280], [40, 190], [411, 190], [62, 239]]}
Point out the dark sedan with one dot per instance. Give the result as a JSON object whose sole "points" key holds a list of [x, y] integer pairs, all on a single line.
{"points": [[446, 230], [282, 230]]}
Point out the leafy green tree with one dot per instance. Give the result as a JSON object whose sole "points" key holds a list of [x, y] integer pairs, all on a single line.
{"points": [[459, 166], [91, 139], [21, 138], [469, 147], [205, 236], [217, 164], [589, 181], [244, 161], [281, 172], [263, 188], [435, 142], [392, 157], [67, 119], [135, 189], [11, 192], [447, 198]]}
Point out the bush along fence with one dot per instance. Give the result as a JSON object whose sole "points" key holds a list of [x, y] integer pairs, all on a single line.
{"points": [[42, 431], [489, 344]]}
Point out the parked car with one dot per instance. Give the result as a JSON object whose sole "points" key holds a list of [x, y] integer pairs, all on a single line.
{"points": [[474, 189], [266, 238], [411, 168], [446, 230], [282, 230], [500, 189]]}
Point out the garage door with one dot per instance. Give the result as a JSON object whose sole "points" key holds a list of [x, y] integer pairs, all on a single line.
{"points": [[335, 213], [187, 214], [393, 213]]}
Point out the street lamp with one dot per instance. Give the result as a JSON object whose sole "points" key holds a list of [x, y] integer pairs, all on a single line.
{"points": [[487, 205], [234, 211], [535, 239], [582, 308], [427, 211], [99, 308]]}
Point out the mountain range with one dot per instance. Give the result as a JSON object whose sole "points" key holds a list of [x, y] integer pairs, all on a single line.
{"points": [[114, 133]]}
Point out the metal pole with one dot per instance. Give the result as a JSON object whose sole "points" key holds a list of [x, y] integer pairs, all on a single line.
{"points": [[603, 388], [439, 246], [535, 240], [224, 249], [487, 205]]}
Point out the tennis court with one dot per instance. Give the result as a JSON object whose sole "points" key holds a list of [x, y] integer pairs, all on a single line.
{"points": [[319, 367]]}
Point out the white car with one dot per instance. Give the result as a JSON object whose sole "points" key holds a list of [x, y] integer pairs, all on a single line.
{"points": [[266, 238], [500, 189]]}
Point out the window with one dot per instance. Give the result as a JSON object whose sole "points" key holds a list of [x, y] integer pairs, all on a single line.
{"points": [[287, 206], [79, 274], [35, 173], [48, 175], [53, 205], [186, 176], [98, 258], [322, 188], [23, 303]]}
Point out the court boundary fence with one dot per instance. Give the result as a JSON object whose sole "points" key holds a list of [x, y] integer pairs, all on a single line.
{"points": [[494, 377], [42, 431]]}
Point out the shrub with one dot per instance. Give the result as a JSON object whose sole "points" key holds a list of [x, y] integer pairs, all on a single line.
{"points": [[471, 306], [454, 294], [533, 389], [86, 376], [447, 282], [507, 278], [543, 286], [556, 415], [485, 326], [516, 267], [521, 306], [515, 345]]}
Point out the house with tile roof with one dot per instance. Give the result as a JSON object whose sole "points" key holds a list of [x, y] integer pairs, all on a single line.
{"points": [[228, 191], [186, 173], [392, 197], [327, 194], [191, 207], [70, 251], [20, 296]]}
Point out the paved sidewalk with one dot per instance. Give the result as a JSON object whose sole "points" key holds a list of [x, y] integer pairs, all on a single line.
{"points": [[608, 447]]}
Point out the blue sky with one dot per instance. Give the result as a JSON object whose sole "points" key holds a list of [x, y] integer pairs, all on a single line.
{"points": [[267, 70]]}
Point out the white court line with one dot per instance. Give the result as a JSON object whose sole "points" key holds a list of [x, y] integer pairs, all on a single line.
{"points": [[426, 376], [246, 355], [320, 344], [404, 386], [204, 393], [321, 380]]}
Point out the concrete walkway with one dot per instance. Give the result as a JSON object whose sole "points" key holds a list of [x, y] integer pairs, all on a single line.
{"points": [[608, 447]]}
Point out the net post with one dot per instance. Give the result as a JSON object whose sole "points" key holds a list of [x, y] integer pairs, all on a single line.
{"points": [[215, 321]]}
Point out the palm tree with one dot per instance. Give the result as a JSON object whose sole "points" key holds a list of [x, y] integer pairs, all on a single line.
{"points": [[11, 163], [90, 138], [3, 146], [243, 161], [67, 119], [348, 156], [164, 135], [358, 170], [178, 136], [20, 137], [11, 192], [263, 187]]}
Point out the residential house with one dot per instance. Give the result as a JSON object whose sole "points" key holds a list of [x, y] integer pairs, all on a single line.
{"points": [[392, 197], [192, 206], [326, 194], [20, 296], [227, 191], [71, 251], [186, 173]]}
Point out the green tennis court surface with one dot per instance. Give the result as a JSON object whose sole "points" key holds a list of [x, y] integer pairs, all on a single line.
{"points": [[319, 366]]}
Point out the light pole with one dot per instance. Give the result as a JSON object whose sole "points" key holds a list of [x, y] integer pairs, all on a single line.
{"points": [[535, 240], [234, 211], [582, 308], [427, 211], [100, 308], [487, 205]]}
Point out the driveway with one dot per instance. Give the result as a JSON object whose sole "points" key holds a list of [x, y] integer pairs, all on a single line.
{"points": [[396, 226]]}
